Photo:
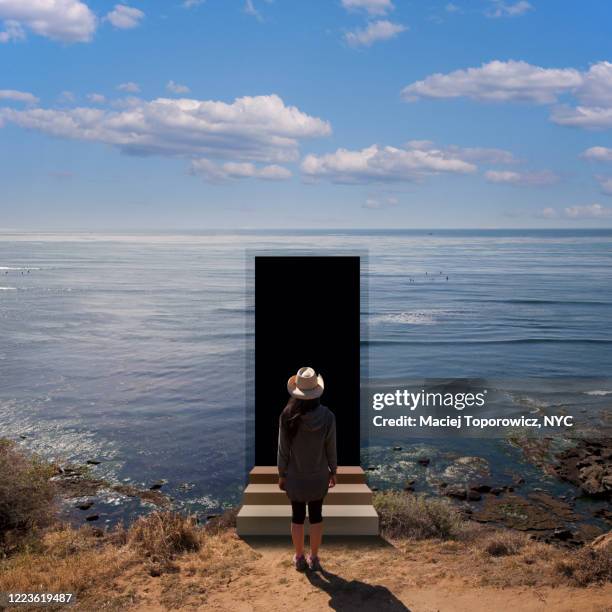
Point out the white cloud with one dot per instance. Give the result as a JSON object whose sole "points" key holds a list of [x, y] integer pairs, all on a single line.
{"points": [[483, 155], [595, 96], [375, 31], [12, 32], [257, 129], [380, 203], [67, 97], [18, 96], [602, 154], [191, 3], [129, 87], [217, 173], [177, 88], [591, 211], [249, 9], [498, 81], [64, 20], [522, 179], [605, 183], [548, 213], [452, 8], [377, 163], [125, 17], [587, 117], [508, 9], [372, 7], [96, 98], [596, 88]]}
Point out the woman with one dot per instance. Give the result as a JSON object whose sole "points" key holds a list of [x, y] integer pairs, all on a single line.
{"points": [[307, 461]]}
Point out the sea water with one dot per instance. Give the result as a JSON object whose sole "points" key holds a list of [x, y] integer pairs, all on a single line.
{"points": [[132, 348]]}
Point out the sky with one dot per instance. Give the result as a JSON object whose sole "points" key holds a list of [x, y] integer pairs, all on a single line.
{"points": [[201, 114]]}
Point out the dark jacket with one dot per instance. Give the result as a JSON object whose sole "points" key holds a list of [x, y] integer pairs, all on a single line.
{"points": [[308, 459]]}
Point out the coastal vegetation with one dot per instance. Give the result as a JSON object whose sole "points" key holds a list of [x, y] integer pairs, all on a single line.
{"points": [[165, 560]]}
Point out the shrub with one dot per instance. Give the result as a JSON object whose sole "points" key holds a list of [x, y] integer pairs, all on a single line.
{"points": [[27, 496], [587, 566], [416, 516], [222, 523], [504, 543], [162, 535]]}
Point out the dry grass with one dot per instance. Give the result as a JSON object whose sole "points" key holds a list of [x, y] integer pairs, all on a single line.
{"points": [[503, 543], [587, 566], [223, 522], [69, 561], [416, 516], [26, 496], [161, 536], [506, 558], [165, 559]]}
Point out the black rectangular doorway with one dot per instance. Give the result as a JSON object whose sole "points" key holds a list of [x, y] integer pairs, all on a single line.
{"points": [[307, 314]]}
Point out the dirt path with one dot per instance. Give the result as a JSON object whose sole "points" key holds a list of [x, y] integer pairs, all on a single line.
{"points": [[378, 577]]}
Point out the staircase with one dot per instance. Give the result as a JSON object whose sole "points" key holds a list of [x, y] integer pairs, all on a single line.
{"points": [[347, 509]]}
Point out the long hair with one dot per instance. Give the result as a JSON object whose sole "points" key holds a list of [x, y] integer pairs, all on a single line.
{"points": [[291, 416]]}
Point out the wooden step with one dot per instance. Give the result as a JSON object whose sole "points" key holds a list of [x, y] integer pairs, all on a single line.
{"points": [[341, 494], [275, 519], [268, 474]]}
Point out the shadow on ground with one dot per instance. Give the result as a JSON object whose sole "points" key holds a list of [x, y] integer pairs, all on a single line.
{"points": [[345, 595], [350, 595]]}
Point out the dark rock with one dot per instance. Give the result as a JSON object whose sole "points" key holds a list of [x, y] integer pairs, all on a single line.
{"points": [[374, 488], [92, 462], [456, 492], [85, 505], [409, 486], [562, 534], [397, 448], [372, 468], [153, 496], [603, 513], [588, 466], [22, 437], [157, 485], [587, 533], [496, 491], [92, 517], [540, 512], [424, 461], [481, 488]]}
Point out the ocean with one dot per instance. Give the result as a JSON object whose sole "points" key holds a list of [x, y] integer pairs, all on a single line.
{"points": [[131, 348]]}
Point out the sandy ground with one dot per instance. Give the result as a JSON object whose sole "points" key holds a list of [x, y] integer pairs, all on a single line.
{"points": [[362, 575]]}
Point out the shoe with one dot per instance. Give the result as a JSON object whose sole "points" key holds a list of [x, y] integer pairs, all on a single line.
{"points": [[300, 563], [313, 563]]}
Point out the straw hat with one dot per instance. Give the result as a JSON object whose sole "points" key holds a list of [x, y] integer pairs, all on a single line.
{"points": [[306, 384]]}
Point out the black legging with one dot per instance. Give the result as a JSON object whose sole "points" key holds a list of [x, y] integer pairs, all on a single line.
{"points": [[298, 512]]}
